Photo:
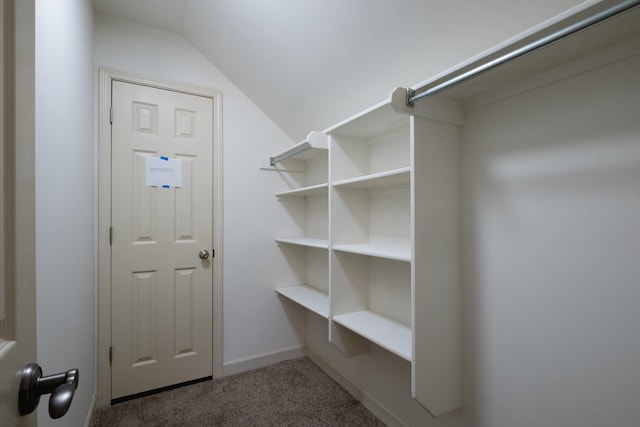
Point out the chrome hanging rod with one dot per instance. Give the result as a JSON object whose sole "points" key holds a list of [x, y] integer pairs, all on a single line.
{"points": [[610, 12], [301, 148]]}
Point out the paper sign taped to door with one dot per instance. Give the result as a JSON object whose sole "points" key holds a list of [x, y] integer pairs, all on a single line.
{"points": [[163, 172]]}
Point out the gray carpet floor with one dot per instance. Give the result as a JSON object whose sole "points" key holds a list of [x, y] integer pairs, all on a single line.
{"points": [[291, 393]]}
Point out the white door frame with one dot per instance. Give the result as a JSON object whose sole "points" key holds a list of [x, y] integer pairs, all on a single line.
{"points": [[104, 218], [18, 345]]}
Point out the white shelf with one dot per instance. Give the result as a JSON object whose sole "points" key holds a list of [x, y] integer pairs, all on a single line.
{"points": [[310, 242], [380, 250], [315, 144], [388, 334], [395, 177], [308, 297], [376, 120], [306, 191]]}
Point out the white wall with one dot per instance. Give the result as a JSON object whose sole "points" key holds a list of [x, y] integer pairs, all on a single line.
{"points": [[254, 323], [552, 246], [344, 56], [64, 199]]}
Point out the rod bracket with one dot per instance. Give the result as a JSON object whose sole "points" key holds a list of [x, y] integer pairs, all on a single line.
{"points": [[399, 100], [410, 94]]}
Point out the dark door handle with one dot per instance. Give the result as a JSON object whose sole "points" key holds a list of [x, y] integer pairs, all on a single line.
{"points": [[33, 385]]}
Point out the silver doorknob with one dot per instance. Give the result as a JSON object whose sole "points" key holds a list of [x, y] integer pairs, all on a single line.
{"points": [[32, 385], [203, 254]]}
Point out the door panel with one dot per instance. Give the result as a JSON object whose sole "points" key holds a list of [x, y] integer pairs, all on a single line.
{"points": [[161, 289]]}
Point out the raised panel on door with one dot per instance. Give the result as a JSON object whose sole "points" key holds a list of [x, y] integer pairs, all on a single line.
{"points": [[185, 340], [161, 289], [144, 296], [144, 225], [185, 201]]}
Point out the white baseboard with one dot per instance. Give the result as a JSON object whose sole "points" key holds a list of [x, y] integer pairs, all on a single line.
{"points": [[92, 409], [261, 360], [355, 390]]}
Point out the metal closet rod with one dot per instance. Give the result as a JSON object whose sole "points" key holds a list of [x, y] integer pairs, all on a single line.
{"points": [[292, 152], [610, 12]]}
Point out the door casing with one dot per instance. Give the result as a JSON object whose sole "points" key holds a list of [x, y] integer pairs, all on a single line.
{"points": [[104, 218], [18, 340]]}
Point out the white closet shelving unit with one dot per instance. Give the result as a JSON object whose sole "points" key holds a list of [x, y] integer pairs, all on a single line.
{"points": [[307, 205], [391, 239], [394, 191], [393, 236]]}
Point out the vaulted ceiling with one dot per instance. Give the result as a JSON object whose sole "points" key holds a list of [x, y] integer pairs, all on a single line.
{"points": [[311, 63]]}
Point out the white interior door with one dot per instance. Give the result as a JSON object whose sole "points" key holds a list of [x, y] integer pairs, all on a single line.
{"points": [[17, 214], [161, 288]]}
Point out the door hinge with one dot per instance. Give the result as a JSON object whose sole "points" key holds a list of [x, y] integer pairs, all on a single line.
{"points": [[110, 355], [110, 235], [111, 115]]}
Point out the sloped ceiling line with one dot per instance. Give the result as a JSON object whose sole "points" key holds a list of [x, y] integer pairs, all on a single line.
{"points": [[310, 64]]}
